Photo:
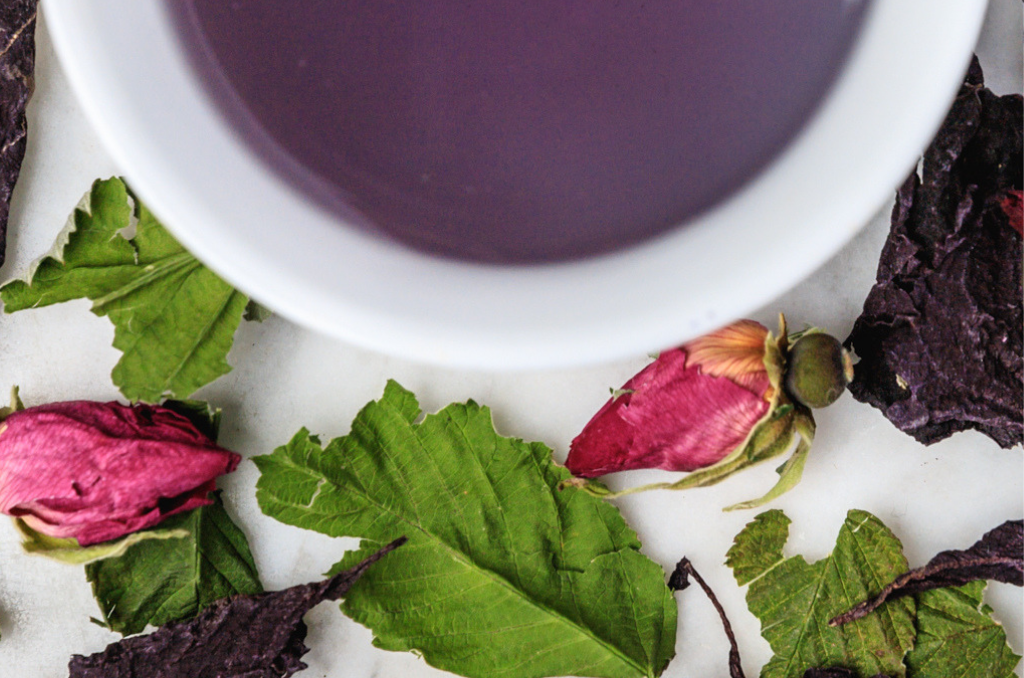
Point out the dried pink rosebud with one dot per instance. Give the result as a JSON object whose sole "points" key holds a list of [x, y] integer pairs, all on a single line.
{"points": [[97, 471], [687, 410], [714, 407]]}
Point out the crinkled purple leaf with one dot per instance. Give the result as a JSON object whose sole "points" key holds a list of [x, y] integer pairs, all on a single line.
{"points": [[941, 337], [17, 61], [998, 555], [257, 636]]}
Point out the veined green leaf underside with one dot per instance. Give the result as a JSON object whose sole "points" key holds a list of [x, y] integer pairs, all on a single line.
{"points": [[503, 575], [957, 637], [795, 600], [942, 633]]}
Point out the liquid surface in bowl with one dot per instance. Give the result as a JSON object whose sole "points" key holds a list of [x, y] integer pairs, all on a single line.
{"points": [[512, 132]]}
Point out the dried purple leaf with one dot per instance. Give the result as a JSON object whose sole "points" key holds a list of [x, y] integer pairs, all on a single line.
{"points": [[680, 580], [941, 338], [998, 555], [257, 636], [17, 61]]}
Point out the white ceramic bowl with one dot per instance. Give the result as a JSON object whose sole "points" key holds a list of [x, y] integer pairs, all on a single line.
{"points": [[123, 59]]}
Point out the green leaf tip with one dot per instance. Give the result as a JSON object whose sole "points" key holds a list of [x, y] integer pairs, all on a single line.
{"points": [[956, 636], [256, 312], [174, 319], [503, 574], [15, 404], [759, 546]]}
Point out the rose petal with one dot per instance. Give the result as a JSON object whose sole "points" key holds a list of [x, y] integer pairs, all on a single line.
{"points": [[676, 418], [735, 351]]}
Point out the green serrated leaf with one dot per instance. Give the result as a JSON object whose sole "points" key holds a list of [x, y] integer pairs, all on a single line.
{"points": [[155, 582], [957, 637], [174, 319], [795, 600], [758, 548], [67, 550], [503, 574]]}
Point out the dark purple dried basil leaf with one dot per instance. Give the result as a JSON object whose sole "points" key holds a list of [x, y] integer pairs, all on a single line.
{"points": [[941, 337], [17, 61], [258, 636], [998, 555]]}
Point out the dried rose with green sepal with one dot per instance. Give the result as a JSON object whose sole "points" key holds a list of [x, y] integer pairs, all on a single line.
{"points": [[81, 473], [714, 406]]}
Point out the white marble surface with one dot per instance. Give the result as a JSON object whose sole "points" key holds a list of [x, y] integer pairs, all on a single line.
{"points": [[285, 377]]}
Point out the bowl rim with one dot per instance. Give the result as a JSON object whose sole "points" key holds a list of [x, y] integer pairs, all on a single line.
{"points": [[799, 211]]}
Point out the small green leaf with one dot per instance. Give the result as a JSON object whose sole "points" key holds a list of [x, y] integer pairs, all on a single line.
{"points": [[795, 600], [15, 405], [174, 319], [758, 548], [155, 582], [68, 551], [256, 312], [957, 637], [504, 575]]}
